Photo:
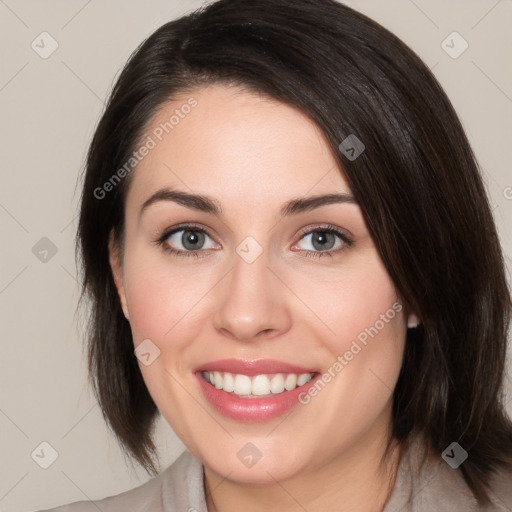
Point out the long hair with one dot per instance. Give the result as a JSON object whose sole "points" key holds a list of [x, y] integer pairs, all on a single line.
{"points": [[418, 184]]}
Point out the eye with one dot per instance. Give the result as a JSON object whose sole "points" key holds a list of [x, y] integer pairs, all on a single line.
{"points": [[322, 241], [187, 241]]}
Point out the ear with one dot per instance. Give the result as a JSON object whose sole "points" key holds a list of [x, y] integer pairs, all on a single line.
{"points": [[413, 321], [117, 272]]}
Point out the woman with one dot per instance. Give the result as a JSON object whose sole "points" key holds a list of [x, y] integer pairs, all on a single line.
{"points": [[291, 257]]}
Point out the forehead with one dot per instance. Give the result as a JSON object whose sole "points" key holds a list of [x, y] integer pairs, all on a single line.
{"points": [[235, 145]]}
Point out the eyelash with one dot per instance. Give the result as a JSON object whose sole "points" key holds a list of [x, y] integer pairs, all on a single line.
{"points": [[328, 228]]}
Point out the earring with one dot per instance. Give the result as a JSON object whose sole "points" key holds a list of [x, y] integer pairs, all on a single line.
{"points": [[413, 321]]}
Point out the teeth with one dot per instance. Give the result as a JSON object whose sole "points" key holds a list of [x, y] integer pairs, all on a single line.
{"points": [[290, 382], [302, 379], [260, 385], [277, 384], [228, 383], [242, 385]]}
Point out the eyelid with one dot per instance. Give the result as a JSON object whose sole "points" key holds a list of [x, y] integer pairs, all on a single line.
{"points": [[192, 226], [326, 227]]}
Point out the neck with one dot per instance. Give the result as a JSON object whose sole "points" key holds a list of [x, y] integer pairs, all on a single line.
{"points": [[355, 481]]}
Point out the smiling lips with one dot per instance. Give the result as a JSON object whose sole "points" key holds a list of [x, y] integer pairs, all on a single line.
{"points": [[273, 386]]}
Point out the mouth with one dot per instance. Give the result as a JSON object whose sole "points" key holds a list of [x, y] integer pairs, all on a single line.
{"points": [[259, 386], [253, 391]]}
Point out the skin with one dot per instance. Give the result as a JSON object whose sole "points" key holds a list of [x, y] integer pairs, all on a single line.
{"points": [[253, 154]]}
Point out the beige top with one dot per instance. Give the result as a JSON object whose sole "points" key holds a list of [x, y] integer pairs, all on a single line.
{"points": [[437, 488]]}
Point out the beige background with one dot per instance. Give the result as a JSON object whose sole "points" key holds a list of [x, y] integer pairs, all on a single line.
{"points": [[49, 108]]}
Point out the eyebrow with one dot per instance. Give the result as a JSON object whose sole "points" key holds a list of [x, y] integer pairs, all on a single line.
{"points": [[207, 204]]}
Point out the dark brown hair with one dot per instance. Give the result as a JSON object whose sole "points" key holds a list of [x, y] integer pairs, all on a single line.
{"points": [[417, 182]]}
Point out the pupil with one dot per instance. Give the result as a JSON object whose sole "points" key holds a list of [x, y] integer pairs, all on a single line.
{"points": [[191, 239], [323, 240]]}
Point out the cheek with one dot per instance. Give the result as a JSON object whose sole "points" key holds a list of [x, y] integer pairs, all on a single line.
{"points": [[360, 303], [163, 307], [363, 333], [363, 328], [160, 298]]}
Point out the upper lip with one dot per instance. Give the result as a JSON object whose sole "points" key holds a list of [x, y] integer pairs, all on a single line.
{"points": [[252, 367]]}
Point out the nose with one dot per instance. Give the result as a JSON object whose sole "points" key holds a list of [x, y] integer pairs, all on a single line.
{"points": [[253, 303]]}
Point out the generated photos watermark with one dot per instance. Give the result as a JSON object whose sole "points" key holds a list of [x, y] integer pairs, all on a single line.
{"points": [[355, 348], [149, 143]]}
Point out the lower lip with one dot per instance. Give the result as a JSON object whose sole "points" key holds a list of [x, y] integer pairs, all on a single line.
{"points": [[252, 409]]}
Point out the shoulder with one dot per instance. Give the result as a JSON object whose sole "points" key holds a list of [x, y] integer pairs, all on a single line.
{"points": [[435, 485], [177, 488]]}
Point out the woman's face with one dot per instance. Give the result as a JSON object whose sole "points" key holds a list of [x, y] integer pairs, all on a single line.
{"points": [[262, 292]]}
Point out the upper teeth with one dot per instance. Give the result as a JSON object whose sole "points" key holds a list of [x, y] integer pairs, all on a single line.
{"points": [[260, 385]]}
